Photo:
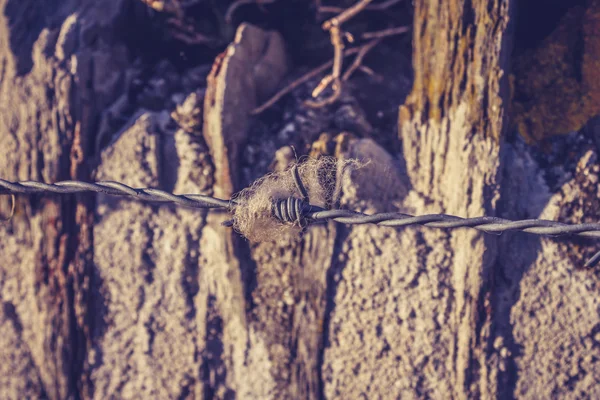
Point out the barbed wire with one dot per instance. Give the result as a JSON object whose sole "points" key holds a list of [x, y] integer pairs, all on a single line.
{"points": [[116, 189], [300, 211]]}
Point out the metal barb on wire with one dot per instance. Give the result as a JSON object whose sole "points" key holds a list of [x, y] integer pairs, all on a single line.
{"points": [[296, 210], [293, 209]]}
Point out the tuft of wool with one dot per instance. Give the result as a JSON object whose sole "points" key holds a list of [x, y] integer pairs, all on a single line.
{"points": [[252, 214]]}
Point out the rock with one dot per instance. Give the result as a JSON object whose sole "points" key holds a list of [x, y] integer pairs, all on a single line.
{"points": [[379, 185], [546, 306], [560, 72], [243, 75], [189, 114], [151, 329]]}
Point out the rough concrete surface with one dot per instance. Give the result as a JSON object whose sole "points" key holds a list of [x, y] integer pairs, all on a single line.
{"points": [[105, 297]]}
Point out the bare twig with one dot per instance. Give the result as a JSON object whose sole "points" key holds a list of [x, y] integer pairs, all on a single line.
{"points": [[346, 15], [359, 58], [336, 36], [330, 9], [349, 37], [374, 75], [335, 79], [337, 91], [385, 33], [325, 82], [330, 79], [338, 51], [306, 77], [291, 87], [338, 55], [368, 71]]}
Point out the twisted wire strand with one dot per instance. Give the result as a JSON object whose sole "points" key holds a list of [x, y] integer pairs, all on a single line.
{"points": [[494, 225], [115, 189], [541, 227], [294, 210], [290, 210]]}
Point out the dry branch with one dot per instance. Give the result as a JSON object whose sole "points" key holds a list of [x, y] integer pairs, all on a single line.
{"points": [[369, 71], [338, 51], [359, 58], [336, 86], [385, 33], [346, 15], [336, 36], [309, 75], [334, 79]]}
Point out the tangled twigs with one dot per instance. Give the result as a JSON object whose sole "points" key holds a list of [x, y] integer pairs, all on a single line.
{"points": [[360, 52], [333, 25], [335, 79], [377, 37], [309, 75], [359, 58]]}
